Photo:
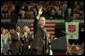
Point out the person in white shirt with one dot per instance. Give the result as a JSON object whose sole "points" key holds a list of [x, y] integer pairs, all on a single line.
{"points": [[18, 32]]}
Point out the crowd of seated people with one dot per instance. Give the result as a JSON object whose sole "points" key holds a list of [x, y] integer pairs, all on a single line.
{"points": [[75, 49], [52, 9]]}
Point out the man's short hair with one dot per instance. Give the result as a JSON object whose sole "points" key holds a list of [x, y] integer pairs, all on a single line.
{"points": [[41, 17]]}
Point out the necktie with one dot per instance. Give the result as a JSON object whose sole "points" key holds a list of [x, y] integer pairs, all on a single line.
{"points": [[44, 33]]}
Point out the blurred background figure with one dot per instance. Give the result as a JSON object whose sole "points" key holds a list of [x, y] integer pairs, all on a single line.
{"points": [[4, 41]]}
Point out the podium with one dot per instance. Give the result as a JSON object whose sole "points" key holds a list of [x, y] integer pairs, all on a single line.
{"points": [[59, 45]]}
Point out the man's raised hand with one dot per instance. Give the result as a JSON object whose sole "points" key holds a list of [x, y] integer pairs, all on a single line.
{"points": [[40, 11]]}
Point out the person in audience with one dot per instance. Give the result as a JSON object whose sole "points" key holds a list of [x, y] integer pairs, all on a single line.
{"points": [[19, 41], [26, 38], [14, 46], [4, 42]]}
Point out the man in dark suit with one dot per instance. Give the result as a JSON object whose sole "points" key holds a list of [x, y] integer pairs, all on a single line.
{"points": [[39, 44], [14, 46], [19, 41], [25, 38]]}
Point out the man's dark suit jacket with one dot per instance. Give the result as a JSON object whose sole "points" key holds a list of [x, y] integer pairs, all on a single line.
{"points": [[15, 43], [26, 43], [38, 37]]}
